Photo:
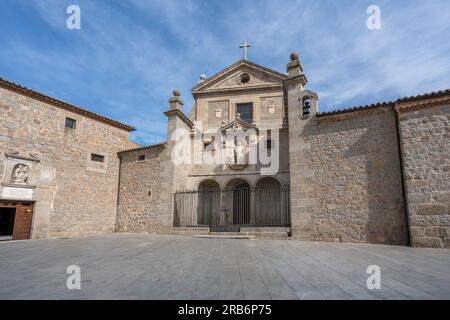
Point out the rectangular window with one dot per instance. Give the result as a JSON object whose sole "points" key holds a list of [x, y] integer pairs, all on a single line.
{"points": [[245, 110], [97, 157], [70, 123], [141, 157]]}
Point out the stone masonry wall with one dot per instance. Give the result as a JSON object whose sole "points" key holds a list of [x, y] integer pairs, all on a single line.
{"points": [[351, 165], [74, 196], [140, 190], [425, 140]]}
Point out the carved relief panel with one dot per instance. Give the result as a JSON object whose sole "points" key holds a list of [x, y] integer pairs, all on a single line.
{"points": [[21, 169], [20, 178], [20, 174]]}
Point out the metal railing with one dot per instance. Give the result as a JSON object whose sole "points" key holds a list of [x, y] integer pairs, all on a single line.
{"points": [[240, 206]]}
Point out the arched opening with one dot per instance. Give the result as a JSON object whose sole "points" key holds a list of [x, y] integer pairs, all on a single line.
{"points": [[208, 203], [236, 205], [268, 182], [238, 202], [269, 210], [209, 185], [306, 106]]}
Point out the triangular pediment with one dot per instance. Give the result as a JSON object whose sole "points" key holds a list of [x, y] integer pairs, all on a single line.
{"points": [[241, 75], [238, 124]]}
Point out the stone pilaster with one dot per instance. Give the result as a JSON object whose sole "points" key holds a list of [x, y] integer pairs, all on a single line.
{"points": [[173, 176], [302, 182]]}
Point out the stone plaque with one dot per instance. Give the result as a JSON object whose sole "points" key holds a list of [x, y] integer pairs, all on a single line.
{"points": [[17, 193], [271, 109], [47, 175]]}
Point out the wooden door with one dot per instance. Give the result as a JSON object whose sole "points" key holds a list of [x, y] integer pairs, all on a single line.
{"points": [[23, 219]]}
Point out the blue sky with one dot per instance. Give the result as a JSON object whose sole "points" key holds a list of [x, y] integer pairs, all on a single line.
{"points": [[130, 54]]}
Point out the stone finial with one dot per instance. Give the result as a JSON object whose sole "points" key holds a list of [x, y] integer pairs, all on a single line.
{"points": [[238, 116], [202, 77], [175, 101], [294, 67]]}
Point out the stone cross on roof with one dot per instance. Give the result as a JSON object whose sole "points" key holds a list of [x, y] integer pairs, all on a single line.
{"points": [[244, 46]]}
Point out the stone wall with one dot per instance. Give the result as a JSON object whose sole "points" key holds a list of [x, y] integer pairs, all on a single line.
{"points": [[348, 170], [73, 195], [358, 179], [140, 189], [425, 140]]}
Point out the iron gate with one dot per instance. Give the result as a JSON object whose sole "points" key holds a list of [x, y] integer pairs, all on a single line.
{"points": [[241, 206]]}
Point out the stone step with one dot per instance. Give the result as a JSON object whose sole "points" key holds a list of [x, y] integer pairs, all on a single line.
{"points": [[244, 235], [271, 235], [224, 235], [230, 233]]}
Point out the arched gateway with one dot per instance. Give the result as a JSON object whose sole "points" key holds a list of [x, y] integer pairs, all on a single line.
{"points": [[235, 206], [208, 202], [238, 199]]}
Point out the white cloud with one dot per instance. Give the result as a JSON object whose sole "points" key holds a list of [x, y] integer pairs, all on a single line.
{"points": [[129, 56]]}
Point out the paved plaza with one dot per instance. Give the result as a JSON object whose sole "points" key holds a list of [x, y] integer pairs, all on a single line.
{"points": [[143, 266]]}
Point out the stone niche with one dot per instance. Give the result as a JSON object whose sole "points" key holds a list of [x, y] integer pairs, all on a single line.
{"points": [[20, 176]]}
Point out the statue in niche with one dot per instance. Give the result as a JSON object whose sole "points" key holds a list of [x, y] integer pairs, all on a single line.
{"points": [[236, 155], [230, 155], [20, 173], [240, 152]]}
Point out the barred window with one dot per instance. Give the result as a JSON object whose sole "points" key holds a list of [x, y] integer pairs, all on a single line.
{"points": [[70, 123]]}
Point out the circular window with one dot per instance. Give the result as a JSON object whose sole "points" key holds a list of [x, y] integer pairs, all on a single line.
{"points": [[244, 78]]}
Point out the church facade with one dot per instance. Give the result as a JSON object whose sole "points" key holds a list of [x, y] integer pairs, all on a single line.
{"points": [[253, 156]]}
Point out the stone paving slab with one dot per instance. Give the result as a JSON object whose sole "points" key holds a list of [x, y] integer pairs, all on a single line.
{"points": [[145, 266]]}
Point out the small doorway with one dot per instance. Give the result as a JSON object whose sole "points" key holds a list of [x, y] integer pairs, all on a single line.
{"points": [[7, 217], [15, 220]]}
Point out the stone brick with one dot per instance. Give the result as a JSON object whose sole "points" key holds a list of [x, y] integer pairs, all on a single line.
{"points": [[427, 242], [432, 209], [436, 232], [446, 242]]}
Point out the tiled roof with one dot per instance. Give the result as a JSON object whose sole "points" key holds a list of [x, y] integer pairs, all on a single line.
{"points": [[160, 144], [370, 106], [61, 104], [434, 94]]}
